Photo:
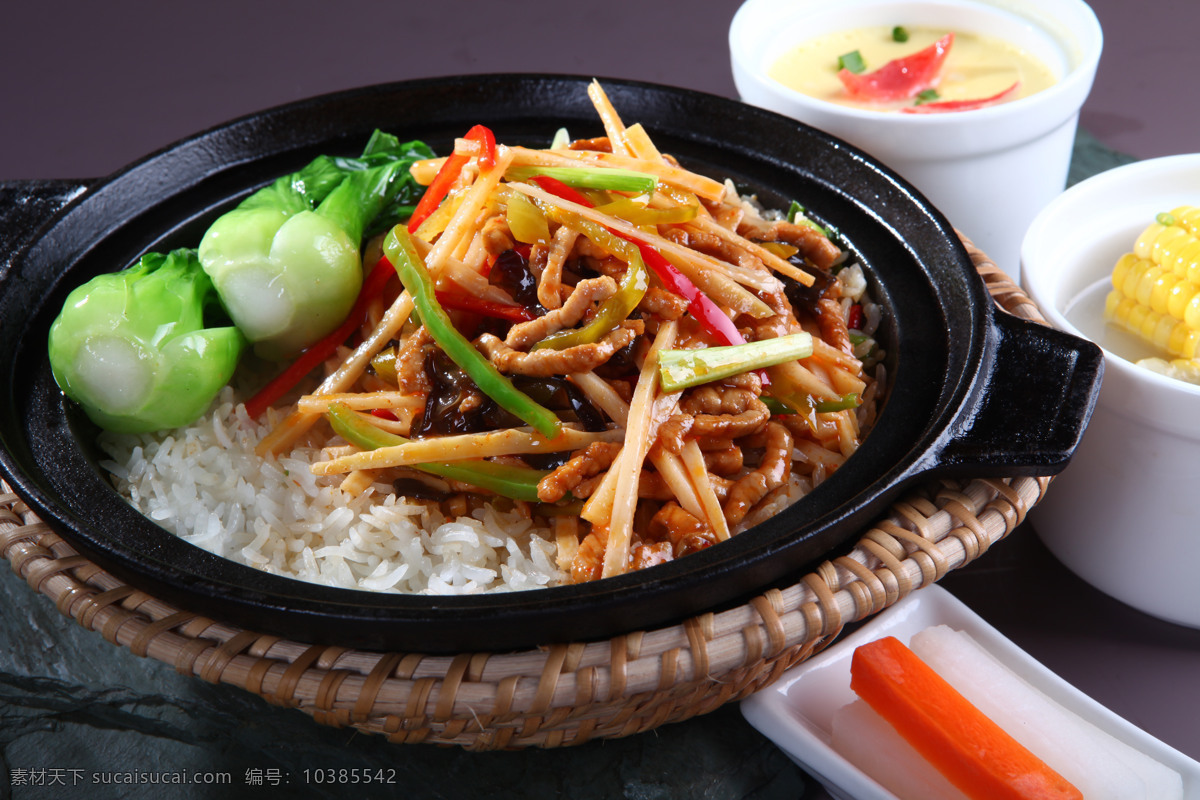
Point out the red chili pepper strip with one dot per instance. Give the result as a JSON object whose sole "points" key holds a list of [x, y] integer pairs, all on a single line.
{"points": [[700, 306], [484, 136], [452, 167], [856, 317], [320, 350], [962, 105], [384, 413], [900, 78], [488, 308], [437, 190], [708, 313], [556, 187]]}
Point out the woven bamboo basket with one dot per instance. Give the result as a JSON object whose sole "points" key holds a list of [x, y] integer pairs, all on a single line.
{"points": [[562, 694]]}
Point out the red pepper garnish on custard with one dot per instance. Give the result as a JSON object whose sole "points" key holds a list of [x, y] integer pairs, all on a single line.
{"points": [[943, 106], [900, 78], [452, 167]]}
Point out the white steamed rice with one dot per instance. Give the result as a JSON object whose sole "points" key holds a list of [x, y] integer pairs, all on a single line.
{"points": [[205, 484]]}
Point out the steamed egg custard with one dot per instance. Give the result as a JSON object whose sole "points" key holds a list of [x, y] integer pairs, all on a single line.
{"points": [[964, 70]]}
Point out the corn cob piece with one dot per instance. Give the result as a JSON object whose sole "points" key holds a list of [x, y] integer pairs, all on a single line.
{"points": [[1156, 288]]}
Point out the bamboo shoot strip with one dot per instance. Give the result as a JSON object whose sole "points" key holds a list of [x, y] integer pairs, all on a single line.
{"points": [[675, 474], [466, 446], [613, 127], [710, 274], [462, 224], [639, 433], [298, 423], [693, 458], [677, 177]]}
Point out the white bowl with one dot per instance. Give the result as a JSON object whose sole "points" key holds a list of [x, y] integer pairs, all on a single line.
{"points": [[988, 170], [1123, 515], [796, 712]]}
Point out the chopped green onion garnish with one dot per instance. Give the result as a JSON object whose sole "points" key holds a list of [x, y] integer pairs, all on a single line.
{"points": [[927, 96], [899, 34], [852, 61], [1165, 218], [617, 180], [681, 369], [797, 214]]}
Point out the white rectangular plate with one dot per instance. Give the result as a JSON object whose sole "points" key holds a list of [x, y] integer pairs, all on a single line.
{"points": [[796, 711]]}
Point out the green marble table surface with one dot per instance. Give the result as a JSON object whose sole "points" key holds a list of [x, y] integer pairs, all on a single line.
{"points": [[77, 712]]}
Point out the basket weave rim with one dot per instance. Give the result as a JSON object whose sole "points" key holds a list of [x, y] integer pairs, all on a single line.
{"points": [[560, 694]]}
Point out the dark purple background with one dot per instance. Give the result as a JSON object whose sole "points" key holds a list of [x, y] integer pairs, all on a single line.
{"points": [[89, 87]]}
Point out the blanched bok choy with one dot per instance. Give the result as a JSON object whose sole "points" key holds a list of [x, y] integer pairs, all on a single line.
{"points": [[286, 262], [131, 347]]}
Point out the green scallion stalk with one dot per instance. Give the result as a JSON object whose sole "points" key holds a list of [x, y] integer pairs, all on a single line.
{"points": [[798, 215], [617, 180], [682, 369]]}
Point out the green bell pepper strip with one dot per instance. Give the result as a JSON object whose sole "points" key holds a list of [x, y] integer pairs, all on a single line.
{"points": [[398, 249], [681, 369], [630, 290], [519, 483], [848, 401]]}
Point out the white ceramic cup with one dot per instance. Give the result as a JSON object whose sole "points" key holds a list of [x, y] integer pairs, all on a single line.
{"points": [[1125, 514], [988, 170]]}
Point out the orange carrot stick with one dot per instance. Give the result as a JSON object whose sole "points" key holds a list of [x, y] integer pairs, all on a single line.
{"points": [[974, 753]]}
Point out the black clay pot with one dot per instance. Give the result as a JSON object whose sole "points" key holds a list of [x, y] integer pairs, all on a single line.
{"points": [[975, 392]]}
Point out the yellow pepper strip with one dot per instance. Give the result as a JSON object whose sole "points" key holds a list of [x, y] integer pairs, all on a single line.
{"points": [[630, 290]]}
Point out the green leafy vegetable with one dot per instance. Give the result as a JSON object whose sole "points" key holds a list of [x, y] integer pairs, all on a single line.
{"points": [[132, 348], [286, 261], [900, 34], [927, 96]]}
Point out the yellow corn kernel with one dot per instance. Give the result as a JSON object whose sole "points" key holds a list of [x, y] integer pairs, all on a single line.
{"points": [[1154, 286], [1175, 246], [1163, 331]]}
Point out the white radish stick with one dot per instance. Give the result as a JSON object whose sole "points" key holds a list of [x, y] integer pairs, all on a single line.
{"points": [[1097, 763], [870, 743]]}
